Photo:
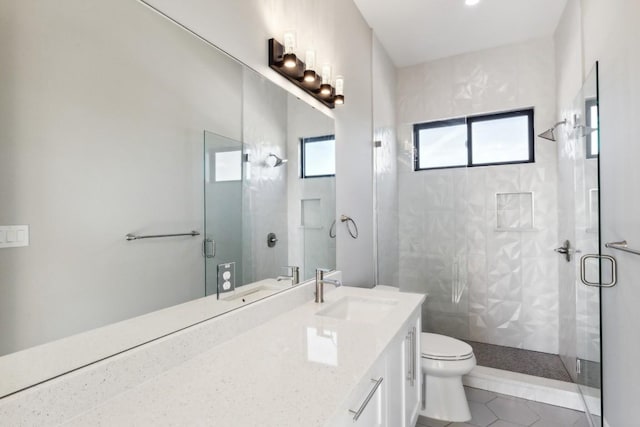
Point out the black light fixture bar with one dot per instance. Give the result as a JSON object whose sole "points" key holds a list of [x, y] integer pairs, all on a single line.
{"points": [[296, 74]]}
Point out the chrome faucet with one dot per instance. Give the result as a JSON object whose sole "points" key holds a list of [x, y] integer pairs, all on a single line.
{"points": [[295, 275], [320, 281]]}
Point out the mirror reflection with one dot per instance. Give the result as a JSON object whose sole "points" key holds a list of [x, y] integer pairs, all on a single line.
{"points": [[102, 135]]}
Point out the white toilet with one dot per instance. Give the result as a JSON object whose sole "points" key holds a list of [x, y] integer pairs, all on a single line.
{"points": [[444, 361]]}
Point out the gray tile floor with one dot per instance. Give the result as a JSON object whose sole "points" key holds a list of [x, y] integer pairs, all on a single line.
{"points": [[498, 410]]}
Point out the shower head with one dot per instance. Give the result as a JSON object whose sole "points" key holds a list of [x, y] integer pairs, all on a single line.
{"points": [[275, 161], [549, 133]]}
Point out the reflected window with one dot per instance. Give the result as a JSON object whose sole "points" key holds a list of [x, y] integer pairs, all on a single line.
{"points": [[228, 166], [318, 156], [484, 140], [593, 138]]}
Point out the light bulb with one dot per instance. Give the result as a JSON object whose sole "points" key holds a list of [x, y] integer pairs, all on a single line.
{"points": [[289, 58], [289, 42], [471, 2], [310, 64], [339, 98], [325, 87]]}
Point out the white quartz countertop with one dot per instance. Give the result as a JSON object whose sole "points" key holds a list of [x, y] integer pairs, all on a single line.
{"points": [[295, 370]]}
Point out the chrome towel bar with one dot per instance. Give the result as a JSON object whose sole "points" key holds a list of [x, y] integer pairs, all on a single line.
{"points": [[134, 237], [621, 246]]}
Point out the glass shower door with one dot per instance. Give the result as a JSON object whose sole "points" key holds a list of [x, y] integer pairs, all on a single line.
{"points": [[585, 135], [223, 167]]}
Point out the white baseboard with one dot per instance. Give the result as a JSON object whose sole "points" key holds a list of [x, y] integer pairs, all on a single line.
{"points": [[544, 390]]}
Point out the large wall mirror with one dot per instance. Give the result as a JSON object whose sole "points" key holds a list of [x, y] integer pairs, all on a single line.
{"points": [[105, 108]]}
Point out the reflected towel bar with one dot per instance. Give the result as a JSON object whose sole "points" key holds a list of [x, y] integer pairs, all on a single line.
{"points": [[134, 237], [621, 246]]}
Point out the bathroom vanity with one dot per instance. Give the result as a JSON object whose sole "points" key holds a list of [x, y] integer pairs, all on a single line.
{"points": [[353, 360]]}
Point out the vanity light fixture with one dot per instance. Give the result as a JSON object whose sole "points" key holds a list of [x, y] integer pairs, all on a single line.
{"points": [[283, 59], [289, 59], [310, 62]]}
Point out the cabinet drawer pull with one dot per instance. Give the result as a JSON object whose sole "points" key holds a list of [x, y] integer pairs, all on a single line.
{"points": [[356, 414]]}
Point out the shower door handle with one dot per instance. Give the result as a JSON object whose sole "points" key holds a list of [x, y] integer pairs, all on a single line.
{"points": [[583, 271], [206, 244]]}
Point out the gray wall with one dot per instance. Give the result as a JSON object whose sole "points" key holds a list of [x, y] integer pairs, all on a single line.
{"points": [[341, 37], [101, 129]]}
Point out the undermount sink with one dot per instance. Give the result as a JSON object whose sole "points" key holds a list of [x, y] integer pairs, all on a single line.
{"points": [[359, 309]]}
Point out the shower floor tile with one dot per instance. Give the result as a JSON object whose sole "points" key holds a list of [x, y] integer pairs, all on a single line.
{"points": [[518, 360]]}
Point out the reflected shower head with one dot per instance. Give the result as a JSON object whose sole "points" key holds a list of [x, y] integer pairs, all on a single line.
{"points": [[275, 161], [549, 133]]}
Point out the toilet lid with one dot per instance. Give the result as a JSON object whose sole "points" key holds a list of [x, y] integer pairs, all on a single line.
{"points": [[435, 346]]}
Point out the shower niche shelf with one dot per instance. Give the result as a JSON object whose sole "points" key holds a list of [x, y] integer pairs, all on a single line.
{"points": [[514, 211]]}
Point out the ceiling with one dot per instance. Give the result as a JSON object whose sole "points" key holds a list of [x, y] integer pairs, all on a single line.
{"points": [[417, 31]]}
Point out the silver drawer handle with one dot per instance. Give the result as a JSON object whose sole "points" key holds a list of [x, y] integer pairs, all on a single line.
{"points": [[356, 414]]}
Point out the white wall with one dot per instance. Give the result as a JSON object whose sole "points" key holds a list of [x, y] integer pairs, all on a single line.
{"points": [[340, 35], [608, 32], [447, 218], [101, 132]]}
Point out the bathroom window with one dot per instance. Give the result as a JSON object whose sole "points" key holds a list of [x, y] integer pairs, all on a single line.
{"points": [[484, 140], [591, 116], [318, 156]]}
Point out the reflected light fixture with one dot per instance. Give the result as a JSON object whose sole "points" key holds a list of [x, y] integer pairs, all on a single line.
{"points": [[282, 59], [471, 2]]}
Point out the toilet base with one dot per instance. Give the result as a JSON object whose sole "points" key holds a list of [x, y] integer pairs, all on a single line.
{"points": [[445, 399]]}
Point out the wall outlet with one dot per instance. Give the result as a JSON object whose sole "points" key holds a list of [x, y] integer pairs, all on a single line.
{"points": [[14, 236], [226, 277]]}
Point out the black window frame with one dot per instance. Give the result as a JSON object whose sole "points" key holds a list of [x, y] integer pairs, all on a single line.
{"points": [[588, 103], [469, 120], [303, 143]]}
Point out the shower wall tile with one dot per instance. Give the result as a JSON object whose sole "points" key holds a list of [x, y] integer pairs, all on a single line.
{"points": [[507, 278]]}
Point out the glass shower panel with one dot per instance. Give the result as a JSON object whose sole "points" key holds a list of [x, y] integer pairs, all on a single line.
{"points": [[433, 242], [588, 342], [223, 169]]}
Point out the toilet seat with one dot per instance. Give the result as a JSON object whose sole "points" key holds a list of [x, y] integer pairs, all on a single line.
{"points": [[441, 347]]}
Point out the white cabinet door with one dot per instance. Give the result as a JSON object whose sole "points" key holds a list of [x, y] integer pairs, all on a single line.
{"points": [[413, 372], [367, 406]]}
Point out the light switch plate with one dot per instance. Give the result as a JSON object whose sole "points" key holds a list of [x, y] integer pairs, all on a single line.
{"points": [[14, 236]]}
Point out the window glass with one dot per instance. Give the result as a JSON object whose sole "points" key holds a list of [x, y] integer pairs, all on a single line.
{"points": [[490, 139], [500, 140], [318, 156], [228, 166], [442, 146], [593, 147]]}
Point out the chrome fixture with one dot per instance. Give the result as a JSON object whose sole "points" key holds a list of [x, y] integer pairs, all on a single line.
{"points": [[272, 239], [284, 61], [583, 270], [131, 236], [621, 246], [275, 161], [295, 275], [580, 131], [549, 133], [320, 281], [566, 250]]}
